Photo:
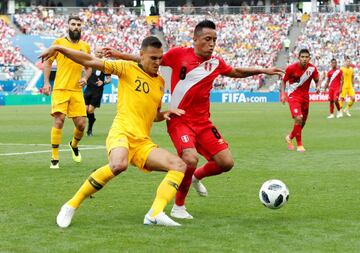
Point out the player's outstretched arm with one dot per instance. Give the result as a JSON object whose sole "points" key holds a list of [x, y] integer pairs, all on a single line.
{"points": [[166, 115], [47, 71], [79, 57], [282, 92], [113, 53], [246, 72]]}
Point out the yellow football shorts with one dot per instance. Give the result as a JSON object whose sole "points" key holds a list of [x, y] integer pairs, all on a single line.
{"points": [[347, 91], [70, 103], [139, 149]]}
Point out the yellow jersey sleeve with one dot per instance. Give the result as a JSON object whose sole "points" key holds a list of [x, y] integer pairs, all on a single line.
{"points": [[115, 67], [68, 72]]}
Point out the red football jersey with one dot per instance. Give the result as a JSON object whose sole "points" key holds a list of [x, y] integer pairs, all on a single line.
{"points": [[192, 80], [335, 78], [300, 79]]}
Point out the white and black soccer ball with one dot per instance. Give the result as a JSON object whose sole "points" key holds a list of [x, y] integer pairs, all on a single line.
{"points": [[274, 194]]}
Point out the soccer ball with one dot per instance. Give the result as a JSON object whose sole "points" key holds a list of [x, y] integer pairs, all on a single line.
{"points": [[274, 194]]}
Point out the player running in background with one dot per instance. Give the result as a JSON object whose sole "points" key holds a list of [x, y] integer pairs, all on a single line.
{"points": [[299, 76], [67, 98], [334, 80], [347, 88], [193, 71], [93, 92], [139, 100]]}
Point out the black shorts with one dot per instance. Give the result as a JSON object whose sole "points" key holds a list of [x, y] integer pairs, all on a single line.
{"points": [[93, 97]]}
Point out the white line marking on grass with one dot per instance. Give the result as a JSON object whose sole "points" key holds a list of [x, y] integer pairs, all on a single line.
{"points": [[41, 144], [49, 151]]}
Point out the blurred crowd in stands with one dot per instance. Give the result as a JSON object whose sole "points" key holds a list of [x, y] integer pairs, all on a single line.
{"points": [[244, 40], [11, 60], [328, 36]]}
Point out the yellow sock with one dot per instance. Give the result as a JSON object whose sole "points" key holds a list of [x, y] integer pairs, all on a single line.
{"points": [[166, 191], [349, 105], [94, 183], [341, 103], [55, 142], [77, 137]]}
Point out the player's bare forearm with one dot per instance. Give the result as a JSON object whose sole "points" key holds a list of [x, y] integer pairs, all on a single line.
{"points": [[47, 71], [282, 92], [113, 53], [246, 72], [88, 72], [79, 57]]}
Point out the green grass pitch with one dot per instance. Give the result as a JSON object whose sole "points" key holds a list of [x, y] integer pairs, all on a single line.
{"points": [[322, 214]]}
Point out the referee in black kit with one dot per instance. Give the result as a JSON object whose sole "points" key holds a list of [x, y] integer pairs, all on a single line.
{"points": [[93, 93]]}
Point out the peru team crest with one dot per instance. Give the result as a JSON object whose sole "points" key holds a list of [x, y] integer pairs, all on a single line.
{"points": [[185, 138]]}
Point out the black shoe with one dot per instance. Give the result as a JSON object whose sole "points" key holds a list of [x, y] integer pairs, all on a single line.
{"points": [[54, 164], [89, 133]]}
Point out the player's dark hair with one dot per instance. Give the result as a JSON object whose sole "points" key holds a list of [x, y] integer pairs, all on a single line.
{"points": [[333, 59], [151, 41], [204, 24], [74, 17], [304, 51]]}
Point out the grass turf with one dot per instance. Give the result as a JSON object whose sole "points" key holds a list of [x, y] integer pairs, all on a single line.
{"points": [[321, 216]]}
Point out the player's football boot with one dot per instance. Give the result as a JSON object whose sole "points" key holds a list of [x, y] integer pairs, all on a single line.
{"points": [[76, 156], [160, 220], [65, 216], [54, 164], [300, 149], [347, 113], [89, 133], [289, 142], [339, 114], [331, 116], [180, 212], [199, 187]]}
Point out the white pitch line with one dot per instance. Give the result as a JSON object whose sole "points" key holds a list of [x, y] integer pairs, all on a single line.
{"points": [[41, 144], [47, 151]]}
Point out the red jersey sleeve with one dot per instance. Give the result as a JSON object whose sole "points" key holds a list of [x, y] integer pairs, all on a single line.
{"points": [[328, 75], [170, 57], [287, 74], [316, 74], [224, 69]]}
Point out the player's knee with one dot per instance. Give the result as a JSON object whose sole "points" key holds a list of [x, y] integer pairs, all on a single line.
{"points": [[177, 164], [118, 167], [227, 164], [190, 159], [59, 122], [298, 120], [81, 125]]}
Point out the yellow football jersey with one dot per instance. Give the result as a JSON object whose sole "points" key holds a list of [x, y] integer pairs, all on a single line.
{"points": [[68, 73], [139, 97], [348, 74]]}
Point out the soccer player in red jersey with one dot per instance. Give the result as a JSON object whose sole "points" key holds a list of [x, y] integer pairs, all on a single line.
{"points": [[299, 75], [335, 80], [193, 71]]}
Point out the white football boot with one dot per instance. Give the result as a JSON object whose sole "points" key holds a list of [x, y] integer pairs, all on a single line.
{"points": [[199, 187], [65, 216], [347, 113], [339, 114], [160, 220], [331, 116], [180, 212]]}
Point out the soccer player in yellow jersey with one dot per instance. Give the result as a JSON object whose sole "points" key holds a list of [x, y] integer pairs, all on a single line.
{"points": [[347, 88], [67, 98], [139, 101]]}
